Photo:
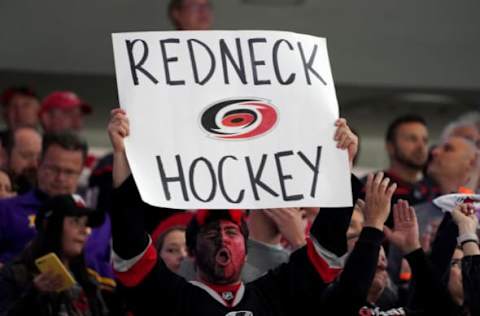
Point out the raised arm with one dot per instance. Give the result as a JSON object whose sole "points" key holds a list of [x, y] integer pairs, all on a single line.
{"points": [[331, 224], [118, 129], [427, 293], [312, 269], [405, 234], [135, 260], [349, 293], [129, 237], [467, 221], [445, 242]]}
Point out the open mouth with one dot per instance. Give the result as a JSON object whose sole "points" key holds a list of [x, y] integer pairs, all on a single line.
{"points": [[223, 257]]}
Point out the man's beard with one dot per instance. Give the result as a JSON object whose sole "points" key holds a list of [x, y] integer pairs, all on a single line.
{"points": [[25, 181], [408, 162]]}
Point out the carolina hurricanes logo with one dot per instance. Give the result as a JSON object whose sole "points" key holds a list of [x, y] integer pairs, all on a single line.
{"points": [[467, 199], [239, 118]]}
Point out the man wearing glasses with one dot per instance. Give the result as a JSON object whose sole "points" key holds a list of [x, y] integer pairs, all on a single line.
{"points": [[59, 169]]}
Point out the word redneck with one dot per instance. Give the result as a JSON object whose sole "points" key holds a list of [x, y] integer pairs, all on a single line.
{"points": [[254, 174], [232, 56]]}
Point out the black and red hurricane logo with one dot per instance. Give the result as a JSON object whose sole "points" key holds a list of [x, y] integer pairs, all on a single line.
{"points": [[239, 118]]}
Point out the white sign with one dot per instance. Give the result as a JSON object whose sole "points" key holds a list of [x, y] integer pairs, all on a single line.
{"points": [[448, 202], [231, 119]]}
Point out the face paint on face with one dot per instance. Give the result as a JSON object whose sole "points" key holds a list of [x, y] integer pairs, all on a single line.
{"points": [[220, 252]]}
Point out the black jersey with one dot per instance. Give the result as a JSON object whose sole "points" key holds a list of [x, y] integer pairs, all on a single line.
{"points": [[295, 288]]}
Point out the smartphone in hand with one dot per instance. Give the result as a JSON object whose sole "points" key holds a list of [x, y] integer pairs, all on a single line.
{"points": [[51, 263]]}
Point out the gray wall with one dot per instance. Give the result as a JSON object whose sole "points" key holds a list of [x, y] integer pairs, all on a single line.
{"points": [[378, 50], [428, 43]]}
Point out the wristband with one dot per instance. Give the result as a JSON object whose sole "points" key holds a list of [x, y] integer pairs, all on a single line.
{"points": [[468, 240], [467, 237]]}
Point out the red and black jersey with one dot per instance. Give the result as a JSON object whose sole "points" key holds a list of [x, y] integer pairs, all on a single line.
{"points": [[422, 191], [302, 285]]}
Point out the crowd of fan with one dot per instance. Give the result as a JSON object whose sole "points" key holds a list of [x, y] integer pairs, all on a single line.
{"points": [[394, 253]]}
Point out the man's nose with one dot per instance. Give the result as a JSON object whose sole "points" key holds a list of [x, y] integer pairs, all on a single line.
{"points": [[382, 263], [183, 253]]}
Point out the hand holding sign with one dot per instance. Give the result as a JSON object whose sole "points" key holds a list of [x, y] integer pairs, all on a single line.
{"points": [[118, 129], [346, 139], [465, 218]]}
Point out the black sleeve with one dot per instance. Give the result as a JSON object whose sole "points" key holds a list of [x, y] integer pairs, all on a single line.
{"points": [[127, 215], [331, 224], [471, 283], [349, 293], [444, 246], [428, 294], [161, 288]]}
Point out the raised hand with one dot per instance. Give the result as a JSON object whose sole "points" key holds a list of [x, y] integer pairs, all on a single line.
{"points": [[378, 196], [405, 233], [291, 222], [118, 129], [465, 218], [467, 221], [346, 139]]}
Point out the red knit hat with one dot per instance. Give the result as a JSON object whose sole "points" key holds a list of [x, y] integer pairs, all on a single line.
{"points": [[235, 215], [203, 217], [176, 220]]}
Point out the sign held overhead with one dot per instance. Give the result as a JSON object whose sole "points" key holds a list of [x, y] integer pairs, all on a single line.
{"points": [[231, 119]]}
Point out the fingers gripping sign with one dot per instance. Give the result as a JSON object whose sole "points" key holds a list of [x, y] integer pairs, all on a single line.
{"points": [[118, 129], [465, 218], [346, 139]]}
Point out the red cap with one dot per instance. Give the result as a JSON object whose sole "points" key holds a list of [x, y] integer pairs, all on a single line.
{"points": [[235, 215], [64, 100], [175, 220]]}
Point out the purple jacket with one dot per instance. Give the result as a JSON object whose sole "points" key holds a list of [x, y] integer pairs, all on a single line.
{"points": [[17, 223], [17, 228]]}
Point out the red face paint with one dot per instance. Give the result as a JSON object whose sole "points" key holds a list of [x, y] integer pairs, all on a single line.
{"points": [[220, 252]]}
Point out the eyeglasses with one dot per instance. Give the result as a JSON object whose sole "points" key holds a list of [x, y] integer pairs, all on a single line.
{"points": [[56, 171]]}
